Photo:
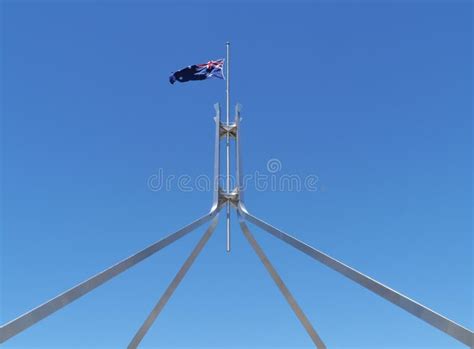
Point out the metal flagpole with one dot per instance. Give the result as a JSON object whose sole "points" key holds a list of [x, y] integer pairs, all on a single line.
{"points": [[228, 142], [228, 196]]}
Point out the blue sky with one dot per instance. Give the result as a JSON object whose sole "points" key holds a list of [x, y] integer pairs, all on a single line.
{"points": [[374, 99]]}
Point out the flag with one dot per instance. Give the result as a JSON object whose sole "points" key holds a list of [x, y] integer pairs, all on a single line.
{"points": [[211, 69]]}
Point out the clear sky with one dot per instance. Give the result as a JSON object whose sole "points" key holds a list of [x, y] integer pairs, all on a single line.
{"points": [[374, 99]]}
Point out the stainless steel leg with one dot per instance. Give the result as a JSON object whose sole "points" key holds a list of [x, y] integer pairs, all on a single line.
{"points": [[172, 287], [28, 319], [281, 285], [442, 323]]}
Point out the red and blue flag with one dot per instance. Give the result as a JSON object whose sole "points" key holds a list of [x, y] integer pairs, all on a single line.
{"points": [[211, 69]]}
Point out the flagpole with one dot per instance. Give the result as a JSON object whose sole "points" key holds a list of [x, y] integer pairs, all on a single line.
{"points": [[228, 141]]}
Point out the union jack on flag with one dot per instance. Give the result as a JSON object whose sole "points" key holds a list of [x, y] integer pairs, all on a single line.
{"points": [[211, 69]]}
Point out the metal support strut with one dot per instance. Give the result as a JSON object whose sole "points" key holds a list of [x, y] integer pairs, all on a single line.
{"points": [[281, 285], [172, 287], [422, 312], [28, 319]]}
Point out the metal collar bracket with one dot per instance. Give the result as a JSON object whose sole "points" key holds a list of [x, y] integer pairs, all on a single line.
{"points": [[232, 197], [225, 130]]}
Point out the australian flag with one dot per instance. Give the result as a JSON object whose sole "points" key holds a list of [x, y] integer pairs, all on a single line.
{"points": [[211, 69]]}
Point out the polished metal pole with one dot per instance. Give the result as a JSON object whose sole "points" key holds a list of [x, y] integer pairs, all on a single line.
{"points": [[228, 142]]}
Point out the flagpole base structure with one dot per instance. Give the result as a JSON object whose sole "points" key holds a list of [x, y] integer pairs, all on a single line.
{"points": [[233, 198]]}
